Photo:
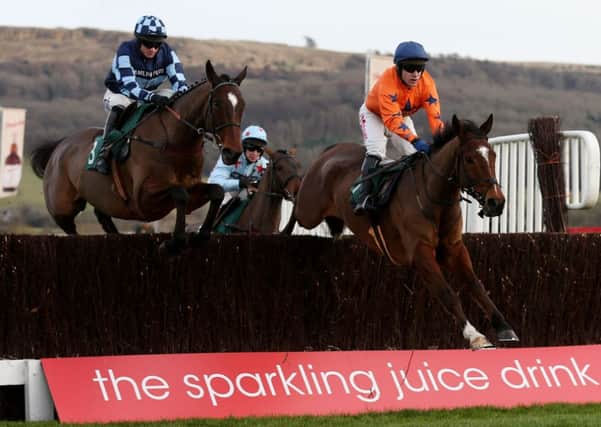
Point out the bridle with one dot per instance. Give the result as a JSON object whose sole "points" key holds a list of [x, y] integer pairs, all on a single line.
{"points": [[459, 179], [283, 193], [211, 134]]}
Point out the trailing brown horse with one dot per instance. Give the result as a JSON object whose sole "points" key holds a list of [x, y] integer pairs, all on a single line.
{"points": [[281, 181], [422, 225], [164, 168]]}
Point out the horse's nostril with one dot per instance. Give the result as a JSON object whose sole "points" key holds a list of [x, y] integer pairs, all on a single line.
{"points": [[229, 157]]}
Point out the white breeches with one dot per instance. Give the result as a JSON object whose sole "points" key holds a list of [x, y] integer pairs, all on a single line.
{"points": [[112, 99], [381, 142]]}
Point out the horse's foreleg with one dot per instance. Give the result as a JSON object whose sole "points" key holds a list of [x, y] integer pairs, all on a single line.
{"points": [[178, 241], [289, 228], [457, 260], [215, 195], [427, 267]]}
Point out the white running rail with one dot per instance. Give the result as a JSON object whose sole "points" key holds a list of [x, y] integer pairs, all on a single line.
{"points": [[517, 173]]}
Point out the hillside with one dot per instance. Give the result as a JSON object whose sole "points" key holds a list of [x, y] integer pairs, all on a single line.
{"points": [[304, 97]]}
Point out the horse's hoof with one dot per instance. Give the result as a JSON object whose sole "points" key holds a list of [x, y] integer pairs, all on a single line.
{"points": [[481, 343], [171, 248], [508, 335]]}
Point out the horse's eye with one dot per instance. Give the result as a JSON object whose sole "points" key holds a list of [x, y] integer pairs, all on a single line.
{"points": [[469, 160]]}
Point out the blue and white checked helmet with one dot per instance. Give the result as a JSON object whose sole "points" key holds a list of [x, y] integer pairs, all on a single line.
{"points": [[150, 28]]}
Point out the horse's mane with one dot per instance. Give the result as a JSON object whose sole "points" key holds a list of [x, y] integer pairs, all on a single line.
{"points": [[329, 147], [192, 86], [223, 77], [442, 137]]}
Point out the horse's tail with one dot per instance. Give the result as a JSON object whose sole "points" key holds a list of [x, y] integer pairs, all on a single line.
{"points": [[41, 155]]}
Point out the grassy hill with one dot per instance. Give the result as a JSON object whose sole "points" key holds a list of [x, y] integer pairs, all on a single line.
{"points": [[302, 96]]}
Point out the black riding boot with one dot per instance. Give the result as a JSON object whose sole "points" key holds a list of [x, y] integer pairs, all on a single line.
{"points": [[102, 162], [366, 201]]}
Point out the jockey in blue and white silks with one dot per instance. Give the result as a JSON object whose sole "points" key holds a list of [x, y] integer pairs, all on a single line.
{"points": [[135, 76], [138, 68]]}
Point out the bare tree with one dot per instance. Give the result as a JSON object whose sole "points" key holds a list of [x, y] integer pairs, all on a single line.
{"points": [[310, 42]]}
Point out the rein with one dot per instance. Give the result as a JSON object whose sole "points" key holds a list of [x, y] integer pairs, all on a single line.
{"points": [[455, 180], [210, 135], [272, 182]]}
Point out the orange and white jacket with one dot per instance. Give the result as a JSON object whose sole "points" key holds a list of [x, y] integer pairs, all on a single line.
{"points": [[393, 100]]}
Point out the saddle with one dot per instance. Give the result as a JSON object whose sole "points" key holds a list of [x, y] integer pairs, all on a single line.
{"points": [[384, 180], [118, 138]]}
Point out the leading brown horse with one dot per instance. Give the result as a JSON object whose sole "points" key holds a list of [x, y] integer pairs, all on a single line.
{"points": [[422, 225], [163, 171]]}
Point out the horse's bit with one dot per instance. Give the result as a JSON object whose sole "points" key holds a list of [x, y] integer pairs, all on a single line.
{"points": [[285, 193], [212, 135]]}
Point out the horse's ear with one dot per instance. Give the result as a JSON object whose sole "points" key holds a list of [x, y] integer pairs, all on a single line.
{"points": [[238, 79], [292, 151], [211, 74], [269, 152], [457, 126], [487, 125]]}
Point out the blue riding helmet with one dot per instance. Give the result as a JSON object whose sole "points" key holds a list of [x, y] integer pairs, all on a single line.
{"points": [[150, 28], [410, 51]]}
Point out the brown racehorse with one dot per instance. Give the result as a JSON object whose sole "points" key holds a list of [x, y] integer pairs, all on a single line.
{"points": [[281, 181], [163, 171], [422, 225]]}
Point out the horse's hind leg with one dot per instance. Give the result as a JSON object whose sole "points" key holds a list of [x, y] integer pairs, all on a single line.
{"points": [[429, 270], [336, 226], [66, 223], [457, 260], [66, 219], [106, 222]]}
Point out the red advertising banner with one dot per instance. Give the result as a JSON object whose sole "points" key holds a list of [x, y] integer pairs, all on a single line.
{"points": [[156, 387]]}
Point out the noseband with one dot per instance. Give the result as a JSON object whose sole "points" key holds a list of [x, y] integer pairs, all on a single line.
{"points": [[466, 185], [272, 184], [211, 134]]}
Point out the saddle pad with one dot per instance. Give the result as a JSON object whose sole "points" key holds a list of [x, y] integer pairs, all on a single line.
{"points": [[117, 138], [384, 180]]}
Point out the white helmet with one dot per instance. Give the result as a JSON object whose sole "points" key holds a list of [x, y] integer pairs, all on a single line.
{"points": [[254, 135]]}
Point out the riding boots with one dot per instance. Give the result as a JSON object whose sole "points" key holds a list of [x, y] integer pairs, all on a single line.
{"points": [[102, 162], [366, 200]]}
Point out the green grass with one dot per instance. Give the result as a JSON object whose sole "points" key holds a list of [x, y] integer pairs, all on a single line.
{"points": [[30, 198], [548, 415], [30, 191]]}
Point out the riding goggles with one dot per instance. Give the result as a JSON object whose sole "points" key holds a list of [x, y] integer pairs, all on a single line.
{"points": [[254, 148], [151, 45], [412, 68]]}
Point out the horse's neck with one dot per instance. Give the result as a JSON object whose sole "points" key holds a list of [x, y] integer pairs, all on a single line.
{"points": [[442, 165], [192, 107], [262, 212]]}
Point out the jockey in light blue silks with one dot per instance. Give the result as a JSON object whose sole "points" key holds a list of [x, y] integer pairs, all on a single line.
{"points": [[241, 179]]}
